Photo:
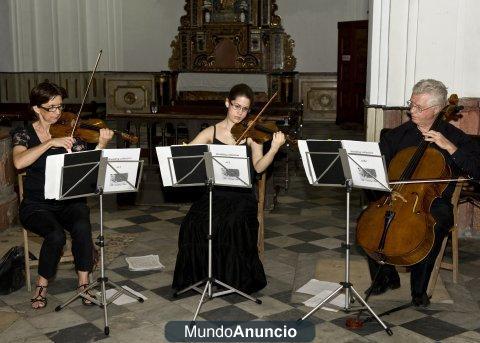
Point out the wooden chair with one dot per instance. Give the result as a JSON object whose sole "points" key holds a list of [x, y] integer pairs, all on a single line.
{"points": [[67, 256], [439, 263], [261, 214]]}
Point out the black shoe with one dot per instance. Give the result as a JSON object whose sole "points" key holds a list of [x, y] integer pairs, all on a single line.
{"points": [[422, 300], [383, 287]]}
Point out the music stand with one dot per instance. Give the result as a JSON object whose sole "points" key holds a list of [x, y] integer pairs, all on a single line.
{"points": [[214, 171], [314, 159], [86, 186]]}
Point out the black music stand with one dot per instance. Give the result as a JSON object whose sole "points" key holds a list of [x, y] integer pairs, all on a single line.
{"points": [[322, 164], [195, 165], [90, 178]]}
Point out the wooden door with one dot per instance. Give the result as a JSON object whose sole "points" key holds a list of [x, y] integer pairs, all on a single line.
{"points": [[351, 71]]}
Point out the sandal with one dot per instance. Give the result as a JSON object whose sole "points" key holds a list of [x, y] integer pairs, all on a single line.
{"points": [[40, 298], [85, 301]]}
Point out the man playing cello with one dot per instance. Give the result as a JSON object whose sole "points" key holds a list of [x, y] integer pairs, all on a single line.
{"points": [[461, 154]]}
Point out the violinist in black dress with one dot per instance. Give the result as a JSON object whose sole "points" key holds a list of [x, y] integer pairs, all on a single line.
{"points": [[51, 218], [235, 225]]}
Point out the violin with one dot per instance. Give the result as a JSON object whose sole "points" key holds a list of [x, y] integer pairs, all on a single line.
{"points": [[70, 124], [87, 130], [259, 132], [398, 229]]}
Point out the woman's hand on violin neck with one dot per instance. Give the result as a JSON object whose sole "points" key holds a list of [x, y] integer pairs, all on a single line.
{"points": [[62, 142], [278, 140], [104, 137]]}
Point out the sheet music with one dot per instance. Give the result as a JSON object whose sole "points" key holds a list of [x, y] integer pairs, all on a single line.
{"points": [[321, 161], [306, 160], [75, 166], [127, 171], [365, 169], [165, 164], [53, 172], [230, 167]]}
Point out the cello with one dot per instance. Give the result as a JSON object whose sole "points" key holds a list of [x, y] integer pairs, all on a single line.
{"points": [[398, 229]]}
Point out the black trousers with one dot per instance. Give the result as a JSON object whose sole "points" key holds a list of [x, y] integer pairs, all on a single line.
{"points": [[441, 211], [51, 221]]}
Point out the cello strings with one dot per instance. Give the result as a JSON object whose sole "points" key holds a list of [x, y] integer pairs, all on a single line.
{"points": [[417, 156]]}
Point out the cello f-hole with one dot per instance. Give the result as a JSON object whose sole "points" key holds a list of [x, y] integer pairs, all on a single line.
{"points": [[414, 209]]}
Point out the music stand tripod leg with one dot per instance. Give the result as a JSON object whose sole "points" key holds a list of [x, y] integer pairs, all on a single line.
{"points": [[347, 284], [377, 318], [210, 280], [102, 280], [331, 296]]}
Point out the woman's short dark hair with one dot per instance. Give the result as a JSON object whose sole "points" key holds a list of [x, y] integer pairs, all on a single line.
{"points": [[241, 90], [44, 92]]}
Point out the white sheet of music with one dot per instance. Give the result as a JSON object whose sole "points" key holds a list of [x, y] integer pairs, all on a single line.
{"points": [[306, 160], [116, 180], [164, 154], [230, 165], [367, 166], [53, 173]]}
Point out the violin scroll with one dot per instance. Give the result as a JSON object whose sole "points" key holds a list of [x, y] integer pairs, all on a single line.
{"points": [[128, 137]]}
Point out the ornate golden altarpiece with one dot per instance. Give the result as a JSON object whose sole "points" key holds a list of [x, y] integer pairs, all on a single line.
{"points": [[235, 36], [232, 36]]}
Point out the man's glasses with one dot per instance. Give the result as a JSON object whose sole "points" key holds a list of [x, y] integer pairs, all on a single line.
{"points": [[239, 108], [416, 107], [53, 108]]}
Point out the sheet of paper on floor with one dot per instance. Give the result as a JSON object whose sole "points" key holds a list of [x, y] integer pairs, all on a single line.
{"points": [[141, 263], [339, 300], [314, 286]]}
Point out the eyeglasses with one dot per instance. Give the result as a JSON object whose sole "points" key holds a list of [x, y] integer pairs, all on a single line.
{"points": [[53, 108], [418, 108], [239, 108]]}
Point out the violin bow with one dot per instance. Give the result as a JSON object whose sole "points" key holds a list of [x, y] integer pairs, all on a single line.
{"points": [[255, 120], [86, 92]]}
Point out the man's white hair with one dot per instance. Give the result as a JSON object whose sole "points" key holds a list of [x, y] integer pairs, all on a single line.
{"points": [[435, 88]]}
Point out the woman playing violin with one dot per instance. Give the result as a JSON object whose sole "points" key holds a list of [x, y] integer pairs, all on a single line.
{"points": [[235, 224], [51, 218]]}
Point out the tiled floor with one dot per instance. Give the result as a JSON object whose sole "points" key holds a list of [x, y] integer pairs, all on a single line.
{"points": [[307, 224]]}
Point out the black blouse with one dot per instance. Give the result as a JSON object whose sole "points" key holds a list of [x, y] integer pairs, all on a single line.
{"points": [[34, 182]]}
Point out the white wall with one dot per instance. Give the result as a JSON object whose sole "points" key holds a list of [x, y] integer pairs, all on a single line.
{"points": [[6, 52], [312, 24], [135, 35], [149, 28], [416, 39]]}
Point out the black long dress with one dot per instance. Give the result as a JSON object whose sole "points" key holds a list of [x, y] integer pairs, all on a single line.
{"points": [[235, 230]]}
